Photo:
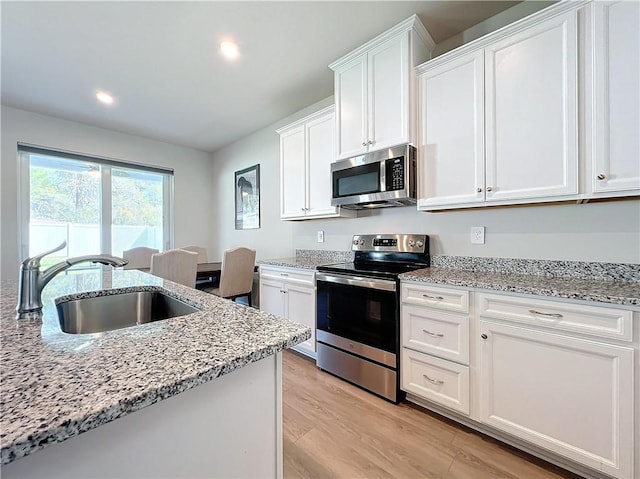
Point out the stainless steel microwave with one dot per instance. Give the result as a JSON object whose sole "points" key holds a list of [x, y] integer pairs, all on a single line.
{"points": [[375, 180]]}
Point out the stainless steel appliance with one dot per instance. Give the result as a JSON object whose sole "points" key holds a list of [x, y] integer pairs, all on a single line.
{"points": [[358, 310], [375, 180]]}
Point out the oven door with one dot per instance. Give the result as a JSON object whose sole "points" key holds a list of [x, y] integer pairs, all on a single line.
{"points": [[358, 315]]}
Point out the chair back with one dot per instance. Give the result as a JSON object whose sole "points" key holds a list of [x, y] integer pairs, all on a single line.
{"points": [[236, 277], [202, 253], [139, 257], [176, 265]]}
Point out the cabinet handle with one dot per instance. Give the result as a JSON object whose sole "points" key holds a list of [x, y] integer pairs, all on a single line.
{"points": [[436, 298], [433, 335], [282, 291], [489, 188], [601, 177], [284, 274], [364, 143], [371, 142], [550, 315], [434, 381], [484, 336], [479, 190]]}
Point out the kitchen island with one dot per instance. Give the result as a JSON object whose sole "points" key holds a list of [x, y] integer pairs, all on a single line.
{"points": [[195, 395]]}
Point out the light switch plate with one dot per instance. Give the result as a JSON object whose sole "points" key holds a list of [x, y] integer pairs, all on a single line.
{"points": [[477, 235], [320, 236]]}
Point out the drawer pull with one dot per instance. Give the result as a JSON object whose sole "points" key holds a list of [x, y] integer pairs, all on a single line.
{"points": [[284, 274], [434, 381], [437, 298], [549, 315], [433, 335]]}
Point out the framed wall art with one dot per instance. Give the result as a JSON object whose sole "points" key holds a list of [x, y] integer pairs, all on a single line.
{"points": [[247, 189]]}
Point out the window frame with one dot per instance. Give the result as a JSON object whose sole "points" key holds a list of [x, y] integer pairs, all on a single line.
{"points": [[24, 194]]}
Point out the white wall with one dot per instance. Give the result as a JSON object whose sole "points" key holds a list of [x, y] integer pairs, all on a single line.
{"points": [[274, 238], [193, 192], [601, 232]]}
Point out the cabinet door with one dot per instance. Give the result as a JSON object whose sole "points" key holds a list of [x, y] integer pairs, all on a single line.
{"points": [[320, 155], [451, 133], [617, 94], [388, 112], [292, 173], [301, 308], [351, 107], [531, 111], [571, 396], [272, 297]]}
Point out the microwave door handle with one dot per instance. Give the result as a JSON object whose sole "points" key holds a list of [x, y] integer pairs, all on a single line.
{"points": [[383, 176]]}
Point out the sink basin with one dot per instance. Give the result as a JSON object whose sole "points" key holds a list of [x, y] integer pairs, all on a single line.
{"points": [[116, 311]]}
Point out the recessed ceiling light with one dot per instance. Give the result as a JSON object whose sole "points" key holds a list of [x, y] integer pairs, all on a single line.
{"points": [[229, 49], [104, 97]]}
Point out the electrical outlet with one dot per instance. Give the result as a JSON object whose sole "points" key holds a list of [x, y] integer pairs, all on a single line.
{"points": [[320, 236], [477, 235]]}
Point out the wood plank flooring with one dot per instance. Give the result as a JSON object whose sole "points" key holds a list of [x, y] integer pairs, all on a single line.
{"points": [[333, 429]]}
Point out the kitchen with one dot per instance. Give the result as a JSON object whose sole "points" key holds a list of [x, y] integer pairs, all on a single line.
{"points": [[592, 232]]}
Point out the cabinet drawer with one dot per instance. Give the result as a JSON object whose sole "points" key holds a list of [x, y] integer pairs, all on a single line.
{"points": [[434, 332], [288, 274], [455, 300], [437, 380], [585, 319]]}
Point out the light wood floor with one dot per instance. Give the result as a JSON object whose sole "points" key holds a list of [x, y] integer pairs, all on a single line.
{"points": [[335, 430]]}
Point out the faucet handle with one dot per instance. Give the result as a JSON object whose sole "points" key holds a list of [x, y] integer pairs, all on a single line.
{"points": [[34, 262]]}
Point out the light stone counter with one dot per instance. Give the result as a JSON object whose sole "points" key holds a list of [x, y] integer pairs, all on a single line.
{"points": [[57, 385], [598, 290]]}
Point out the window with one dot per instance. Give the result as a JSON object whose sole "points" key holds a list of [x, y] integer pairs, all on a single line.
{"points": [[96, 205]]}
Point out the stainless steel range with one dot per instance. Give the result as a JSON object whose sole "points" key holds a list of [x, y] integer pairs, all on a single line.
{"points": [[358, 310]]}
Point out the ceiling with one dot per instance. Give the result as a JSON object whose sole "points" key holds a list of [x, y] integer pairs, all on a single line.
{"points": [[161, 60]]}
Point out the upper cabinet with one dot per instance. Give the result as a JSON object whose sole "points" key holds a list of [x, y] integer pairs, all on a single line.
{"points": [[500, 124], [546, 109], [374, 90], [307, 148], [616, 162]]}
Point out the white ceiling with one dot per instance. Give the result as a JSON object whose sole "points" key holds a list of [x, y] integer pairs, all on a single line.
{"points": [[161, 62]]}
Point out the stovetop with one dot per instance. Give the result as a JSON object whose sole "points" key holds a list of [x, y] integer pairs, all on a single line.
{"points": [[379, 269], [384, 256]]}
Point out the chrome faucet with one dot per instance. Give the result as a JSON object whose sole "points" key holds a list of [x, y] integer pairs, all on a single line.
{"points": [[32, 280]]}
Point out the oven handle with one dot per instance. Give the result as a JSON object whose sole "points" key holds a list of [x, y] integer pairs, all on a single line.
{"points": [[373, 283]]}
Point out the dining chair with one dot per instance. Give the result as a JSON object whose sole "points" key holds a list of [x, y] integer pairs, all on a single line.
{"points": [[139, 257], [236, 277], [176, 265], [202, 253]]}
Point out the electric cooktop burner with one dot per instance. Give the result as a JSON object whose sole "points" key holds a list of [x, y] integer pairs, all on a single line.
{"points": [[384, 256]]}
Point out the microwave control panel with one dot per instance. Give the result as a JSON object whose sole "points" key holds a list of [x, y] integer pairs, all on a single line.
{"points": [[394, 173]]}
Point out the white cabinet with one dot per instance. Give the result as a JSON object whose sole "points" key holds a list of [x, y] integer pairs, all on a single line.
{"points": [[451, 132], [290, 293], [616, 152], [559, 375], [532, 112], [499, 124], [434, 327], [307, 149], [374, 89]]}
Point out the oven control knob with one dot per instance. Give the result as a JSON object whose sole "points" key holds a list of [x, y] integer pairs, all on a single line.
{"points": [[412, 243], [361, 242], [419, 244], [355, 242]]}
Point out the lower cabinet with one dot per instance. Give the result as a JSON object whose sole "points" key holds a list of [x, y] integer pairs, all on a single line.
{"points": [[556, 375], [290, 293], [434, 363], [571, 396]]}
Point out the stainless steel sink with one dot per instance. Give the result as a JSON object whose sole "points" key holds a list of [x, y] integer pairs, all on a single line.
{"points": [[116, 311]]}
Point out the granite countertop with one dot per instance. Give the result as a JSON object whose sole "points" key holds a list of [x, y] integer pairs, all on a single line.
{"points": [[298, 262], [57, 385], [625, 293]]}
